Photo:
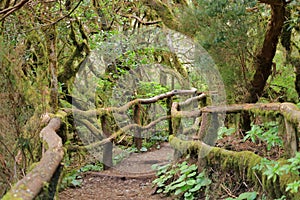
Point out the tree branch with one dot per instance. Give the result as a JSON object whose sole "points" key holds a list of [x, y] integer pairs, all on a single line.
{"points": [[103, 111], [29, 187], [6, 12], [140, 20], [123, 130]]}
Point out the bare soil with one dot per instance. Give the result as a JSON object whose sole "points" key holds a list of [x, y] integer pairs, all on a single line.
{"points": [[106, 188], [130, 179]]}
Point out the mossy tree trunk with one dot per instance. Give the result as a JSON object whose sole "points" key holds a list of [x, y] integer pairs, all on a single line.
{"points": [[108, 147], [137, 119], [263, 60], [50, 35]]}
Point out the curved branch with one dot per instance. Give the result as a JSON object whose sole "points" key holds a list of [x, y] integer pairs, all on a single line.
{"points": [[30, 186], [140, 20], [191, 100], [6, 12], [103, 111], [67, 15], [123, 130]]}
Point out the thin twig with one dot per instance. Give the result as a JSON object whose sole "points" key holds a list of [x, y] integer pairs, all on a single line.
{"points": [[9, 11], [227, 191], [140, 20]]}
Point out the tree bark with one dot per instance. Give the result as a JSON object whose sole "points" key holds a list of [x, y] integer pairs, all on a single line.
{"points": [[263, 60], [108, 147], [137, 139], [50, 35], [296, 64]]}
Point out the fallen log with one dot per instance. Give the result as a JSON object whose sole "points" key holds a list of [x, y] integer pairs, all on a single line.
{"points": [[30, 186], [241, 162]]}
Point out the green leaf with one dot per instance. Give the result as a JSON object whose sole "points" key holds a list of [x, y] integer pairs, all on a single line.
{"points": [[196, 188], [293, 187], [203, 181], [143, 149], [160, 190], [191, 182], [178, 191], [183, 167], [187, 194], [178, 185], [192, 174], [248, 195], [76, 183]]}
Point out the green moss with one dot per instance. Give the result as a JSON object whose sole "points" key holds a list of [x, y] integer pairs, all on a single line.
{"points": [[61, 114], [175, 123], [10, 196], [241, 162], [13, 194]]}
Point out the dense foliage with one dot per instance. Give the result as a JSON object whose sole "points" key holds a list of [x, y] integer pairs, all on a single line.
{"points": [[45, 44]]}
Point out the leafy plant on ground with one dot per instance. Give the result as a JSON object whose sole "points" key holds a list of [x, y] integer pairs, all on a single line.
{"points": [[267, 132], [92, 167], [294, 165], [270, 168], [294, 186], [181, 180], [273, 169], [255, 133], [73, 178], [224, 131]]}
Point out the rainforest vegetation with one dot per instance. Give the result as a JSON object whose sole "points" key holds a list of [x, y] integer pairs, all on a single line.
{"points": [[86, 82]]}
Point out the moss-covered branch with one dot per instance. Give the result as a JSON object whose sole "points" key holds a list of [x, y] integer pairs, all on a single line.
{"points": [[241, 162], [288, 110], [30, 186], [125, 107], [79, 54], [124, 130]]}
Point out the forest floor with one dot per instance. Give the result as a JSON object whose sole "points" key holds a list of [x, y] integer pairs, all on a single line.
{"points": [[132, 178]]}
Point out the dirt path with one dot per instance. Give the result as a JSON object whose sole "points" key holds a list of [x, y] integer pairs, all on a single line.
{"points": [[130, 179]]}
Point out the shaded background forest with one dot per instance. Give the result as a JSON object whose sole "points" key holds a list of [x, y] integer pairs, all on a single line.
{"points": [[44, 43]]}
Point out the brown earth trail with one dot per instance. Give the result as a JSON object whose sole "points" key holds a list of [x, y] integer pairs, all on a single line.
{"points": [[131, 179]]}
